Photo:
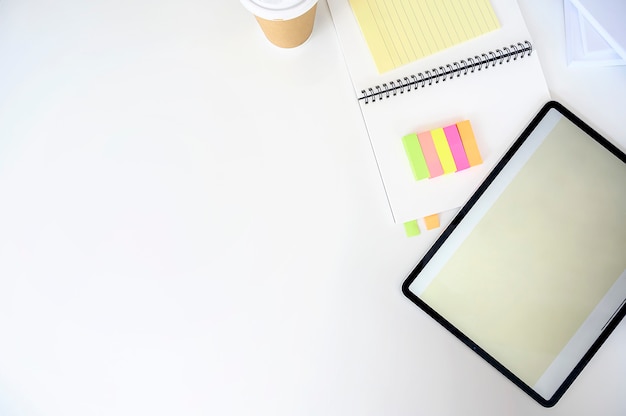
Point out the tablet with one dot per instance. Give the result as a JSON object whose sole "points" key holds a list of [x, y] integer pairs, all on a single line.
{"points": [[531, 273]]}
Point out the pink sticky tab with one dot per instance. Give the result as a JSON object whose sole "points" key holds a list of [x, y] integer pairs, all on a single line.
{"points": [[456, 147], [430, 154]]}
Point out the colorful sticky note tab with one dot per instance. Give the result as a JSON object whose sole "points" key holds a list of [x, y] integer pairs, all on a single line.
{"points": [[456, 147], [411, 228], [430, 154], [416, 157], [432, 221], [469, 143], [443, 150]]}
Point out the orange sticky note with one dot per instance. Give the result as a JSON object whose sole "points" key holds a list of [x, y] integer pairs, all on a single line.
{"points": [[469, 143], [432, 221]]}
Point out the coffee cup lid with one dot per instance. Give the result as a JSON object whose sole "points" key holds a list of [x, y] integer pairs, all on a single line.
{"points": [[278, 9]]}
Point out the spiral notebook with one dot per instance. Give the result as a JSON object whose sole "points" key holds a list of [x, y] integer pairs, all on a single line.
{"points": [[494, 80]]}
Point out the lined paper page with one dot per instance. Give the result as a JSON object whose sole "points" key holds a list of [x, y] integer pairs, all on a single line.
{"points": [[401, 31]]}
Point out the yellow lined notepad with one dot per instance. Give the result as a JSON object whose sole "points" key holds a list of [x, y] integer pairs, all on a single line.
{"points": [[400, 31]]}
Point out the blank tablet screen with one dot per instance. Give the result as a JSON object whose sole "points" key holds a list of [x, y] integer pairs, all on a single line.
{"points": [[536, 267]]}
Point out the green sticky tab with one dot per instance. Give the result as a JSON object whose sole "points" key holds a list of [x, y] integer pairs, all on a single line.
{"points": [[411, 228], [414, 152]]}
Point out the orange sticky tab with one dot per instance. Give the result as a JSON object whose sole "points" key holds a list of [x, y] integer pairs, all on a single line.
{"points": [[469, 143], [432, 221]]}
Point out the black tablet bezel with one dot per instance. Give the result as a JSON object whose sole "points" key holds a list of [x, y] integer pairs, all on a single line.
{"points": [[457, 220]]}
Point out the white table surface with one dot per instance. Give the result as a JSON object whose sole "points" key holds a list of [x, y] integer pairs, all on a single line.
{"points": [[191, 223]]}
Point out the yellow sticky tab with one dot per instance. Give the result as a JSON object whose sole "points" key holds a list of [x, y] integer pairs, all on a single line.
{"points": [[443, 150], [432, 221], [411, 228]]}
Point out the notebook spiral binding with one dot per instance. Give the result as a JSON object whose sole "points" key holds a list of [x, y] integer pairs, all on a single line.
{"points": [[458, 68]]}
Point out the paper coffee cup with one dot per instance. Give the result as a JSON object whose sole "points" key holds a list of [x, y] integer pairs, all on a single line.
{"points": [[285, 23]]}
